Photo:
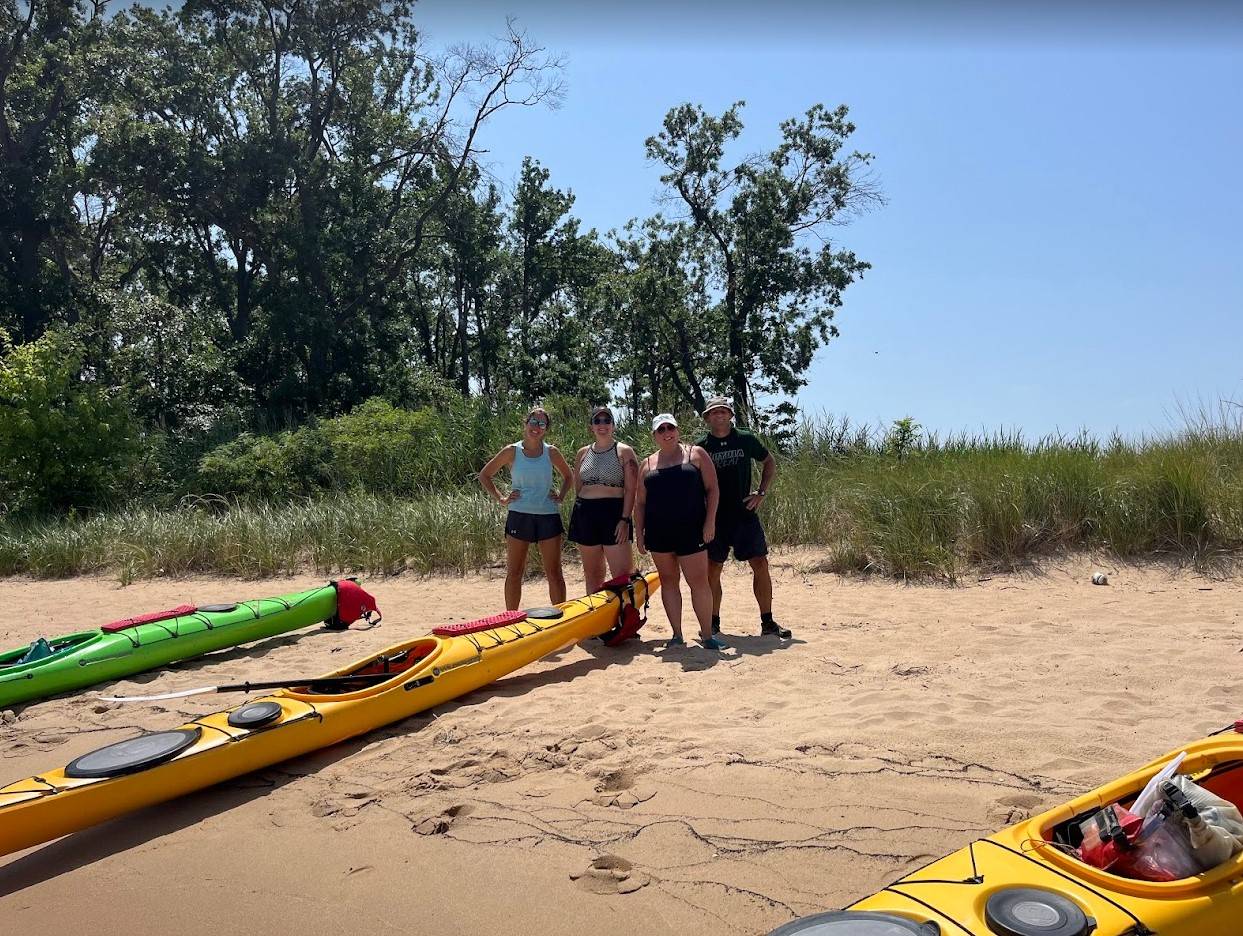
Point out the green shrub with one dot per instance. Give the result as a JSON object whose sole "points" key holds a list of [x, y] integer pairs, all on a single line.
{"points": [[66, 441], [375, 448]]}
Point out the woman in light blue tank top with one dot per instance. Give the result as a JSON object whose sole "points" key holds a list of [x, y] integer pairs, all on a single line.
{"points": [[534, 508]]}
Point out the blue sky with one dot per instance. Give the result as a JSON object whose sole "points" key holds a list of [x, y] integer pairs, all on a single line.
{"points": [[1061, 248]]}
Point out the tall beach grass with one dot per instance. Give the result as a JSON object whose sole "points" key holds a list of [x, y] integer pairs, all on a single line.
{"points": [[894, 502]]}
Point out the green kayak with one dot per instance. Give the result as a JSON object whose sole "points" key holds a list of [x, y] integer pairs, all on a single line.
{"points": [[132, 645]]}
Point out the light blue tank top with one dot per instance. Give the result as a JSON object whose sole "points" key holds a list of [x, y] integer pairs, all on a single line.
{"points": [[532, 477]]}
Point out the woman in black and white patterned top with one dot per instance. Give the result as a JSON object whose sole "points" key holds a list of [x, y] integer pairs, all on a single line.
{"points": [[605, 474]]}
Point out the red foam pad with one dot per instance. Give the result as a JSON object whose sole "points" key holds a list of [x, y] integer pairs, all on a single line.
{"points": [[126, 623], [470, 627]]}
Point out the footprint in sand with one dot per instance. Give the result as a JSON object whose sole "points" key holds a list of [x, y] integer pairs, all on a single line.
{"points": [[616, 781], [1015, 808], [440, 824], [617, 789], [610, 874]]}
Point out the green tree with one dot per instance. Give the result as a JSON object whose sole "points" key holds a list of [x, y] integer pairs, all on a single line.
{"points": [[300, 160], [65, 439], [546, 294], [50, 76], [764, 223], [665, 328]]}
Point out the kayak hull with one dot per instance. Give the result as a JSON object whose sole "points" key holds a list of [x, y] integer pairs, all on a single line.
{"points": [[95, 656], [436, 670], [953, 892]]}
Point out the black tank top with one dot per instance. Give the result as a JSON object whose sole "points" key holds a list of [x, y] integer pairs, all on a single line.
{"points": [[675, 497]]}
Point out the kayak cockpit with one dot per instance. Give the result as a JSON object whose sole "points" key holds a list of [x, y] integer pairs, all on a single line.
{"points": [[43, 651], [1216, 771], [374, 672]]}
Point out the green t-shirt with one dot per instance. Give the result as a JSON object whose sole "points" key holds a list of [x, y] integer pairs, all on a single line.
{"points": [[732, 456]]}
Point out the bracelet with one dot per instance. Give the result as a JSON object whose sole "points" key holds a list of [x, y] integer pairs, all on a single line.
{"points": [[761, 493]]}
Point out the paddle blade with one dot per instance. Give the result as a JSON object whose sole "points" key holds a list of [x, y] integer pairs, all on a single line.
{"points": [[201, 690]]}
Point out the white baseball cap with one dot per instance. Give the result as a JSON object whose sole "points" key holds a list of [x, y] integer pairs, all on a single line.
{"points": [[664, 419]]}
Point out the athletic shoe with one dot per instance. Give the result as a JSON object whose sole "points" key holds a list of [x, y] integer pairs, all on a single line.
{"points": [[773, 629], [713, 644]]}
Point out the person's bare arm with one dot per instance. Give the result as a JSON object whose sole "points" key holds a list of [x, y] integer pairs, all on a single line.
{"points": [[502, 459], [630, 474], [563, 468], [640, 505], [578, 467], [768, 471], [707, 471]]}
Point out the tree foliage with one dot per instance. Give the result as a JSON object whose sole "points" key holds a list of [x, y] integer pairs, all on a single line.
{"points": [[763, 223], [254, 215]]}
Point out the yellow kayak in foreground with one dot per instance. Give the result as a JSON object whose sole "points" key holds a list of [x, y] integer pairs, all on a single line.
{"points": [[396, 683], [1019, 882]]}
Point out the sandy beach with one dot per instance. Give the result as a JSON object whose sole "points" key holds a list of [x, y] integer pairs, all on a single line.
{"points": [[635, 791]]}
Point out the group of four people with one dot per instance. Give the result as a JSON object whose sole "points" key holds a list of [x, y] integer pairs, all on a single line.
{"points": [[688, 505]]}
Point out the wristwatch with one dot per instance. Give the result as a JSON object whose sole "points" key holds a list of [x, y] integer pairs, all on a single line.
{"points": [[761, 493]]}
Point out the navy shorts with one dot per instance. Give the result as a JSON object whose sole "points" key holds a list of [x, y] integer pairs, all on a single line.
{"points": [[743, 534], [533, 528], [593, 521]]}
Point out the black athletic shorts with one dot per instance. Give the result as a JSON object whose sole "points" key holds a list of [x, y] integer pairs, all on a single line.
{"points": [[744, 534], [533, 528], [593, 521], [681, 542]]}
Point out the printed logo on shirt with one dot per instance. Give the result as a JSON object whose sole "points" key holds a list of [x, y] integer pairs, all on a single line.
{"points": [[728, 458]]}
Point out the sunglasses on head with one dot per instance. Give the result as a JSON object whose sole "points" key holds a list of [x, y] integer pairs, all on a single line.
{"points": [[537, 422], [665, 427], [602, 420]]}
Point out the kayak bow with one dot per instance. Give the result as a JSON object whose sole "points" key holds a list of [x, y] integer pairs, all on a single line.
{"points": [[132, 645], [412, 676]]}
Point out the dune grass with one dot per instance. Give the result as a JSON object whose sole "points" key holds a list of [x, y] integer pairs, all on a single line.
{"points": [[895, 502]]}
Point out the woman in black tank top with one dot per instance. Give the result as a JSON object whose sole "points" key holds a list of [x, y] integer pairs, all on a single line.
{"points": [[674, 517]]}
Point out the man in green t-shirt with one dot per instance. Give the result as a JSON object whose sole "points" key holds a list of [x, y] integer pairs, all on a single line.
{"points": [[737, 525]]}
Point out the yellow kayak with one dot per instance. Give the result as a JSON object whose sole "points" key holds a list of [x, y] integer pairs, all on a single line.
{"points": [[396, 683], [1022, 882]]}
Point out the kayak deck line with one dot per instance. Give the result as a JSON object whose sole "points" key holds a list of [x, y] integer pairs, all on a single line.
{"points": [[134, 637], [200, 615], [407, 678], [57, 664]]}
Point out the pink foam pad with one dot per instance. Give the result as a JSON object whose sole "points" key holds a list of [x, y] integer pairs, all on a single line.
{"points": [[470, 627], [126, 623]]}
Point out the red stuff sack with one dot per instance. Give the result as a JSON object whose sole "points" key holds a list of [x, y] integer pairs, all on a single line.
{"points": [[1108, 836], [1163, 853], [353, 603]]}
